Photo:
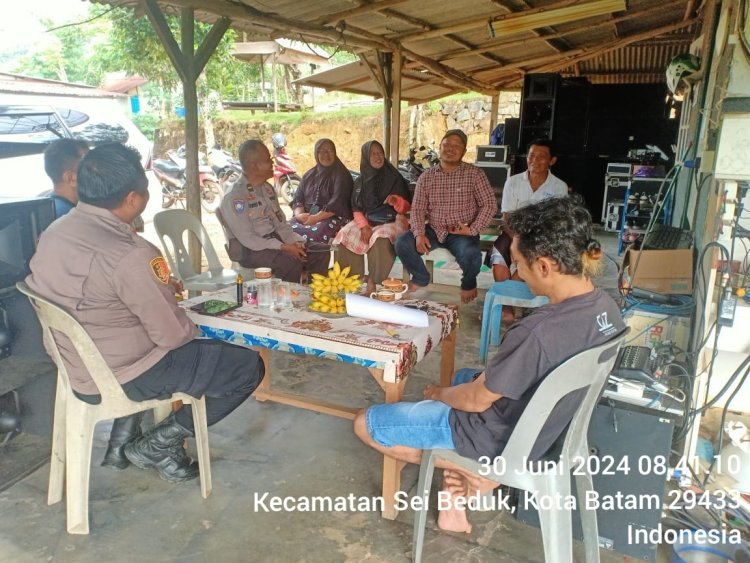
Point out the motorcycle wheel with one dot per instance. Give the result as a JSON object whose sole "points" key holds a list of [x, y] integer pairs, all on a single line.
{"points": [[211, 193], [288, 187], [168, 199]]}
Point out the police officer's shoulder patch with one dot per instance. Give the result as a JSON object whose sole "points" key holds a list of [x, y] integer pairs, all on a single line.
{"points": [[238, 205], [160, 269]]}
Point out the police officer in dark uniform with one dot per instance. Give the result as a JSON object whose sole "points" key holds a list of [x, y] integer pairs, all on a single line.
{"points": [[117, 285]]}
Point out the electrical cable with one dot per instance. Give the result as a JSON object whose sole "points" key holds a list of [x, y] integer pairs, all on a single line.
{"points": [[744, 365], [50, 30], [717, 450], [683, 306]]}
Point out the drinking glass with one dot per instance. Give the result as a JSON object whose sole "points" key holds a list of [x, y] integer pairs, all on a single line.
{"points": [[283, 294], [265, 294]]}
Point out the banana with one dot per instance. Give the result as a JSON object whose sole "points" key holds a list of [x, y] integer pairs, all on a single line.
{"points": [[344, 272]]}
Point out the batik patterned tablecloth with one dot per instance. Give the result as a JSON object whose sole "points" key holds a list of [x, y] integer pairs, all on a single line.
{"points": [[391, 347]]}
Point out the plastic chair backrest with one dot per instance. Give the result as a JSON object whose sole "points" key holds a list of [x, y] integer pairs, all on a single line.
{"points": [[55, 320], [589, 368], [172, 224]]}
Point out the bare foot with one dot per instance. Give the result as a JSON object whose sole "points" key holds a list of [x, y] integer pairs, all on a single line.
{"points": [[507, 315], [468, 295], [454, 520], [455, 483]]}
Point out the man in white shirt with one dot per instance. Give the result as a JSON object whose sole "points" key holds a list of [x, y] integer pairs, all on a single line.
{"points": [[536, 184]]}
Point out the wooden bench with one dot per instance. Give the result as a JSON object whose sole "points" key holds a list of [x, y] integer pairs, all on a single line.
{"points": [[486, 240]]}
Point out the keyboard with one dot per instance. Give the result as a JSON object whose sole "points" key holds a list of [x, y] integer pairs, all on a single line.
{"points": [[664, 237]]}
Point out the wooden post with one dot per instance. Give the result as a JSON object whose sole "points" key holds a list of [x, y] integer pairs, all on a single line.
{"points": [[275, 85], [262, 79], [395, 107], [385, 65], [188, 63]]}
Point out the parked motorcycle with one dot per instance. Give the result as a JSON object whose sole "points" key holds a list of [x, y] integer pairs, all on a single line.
{"points": [[419, 160], [285, 177], [171, 175], [226, 168]]}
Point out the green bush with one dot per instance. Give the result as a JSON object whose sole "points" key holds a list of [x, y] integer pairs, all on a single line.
{"points": [[147, 123]]}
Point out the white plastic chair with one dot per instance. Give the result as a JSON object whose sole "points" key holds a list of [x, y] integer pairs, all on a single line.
{"points": [[172, 224], [228, 238], [588, 368], [74, 422]]}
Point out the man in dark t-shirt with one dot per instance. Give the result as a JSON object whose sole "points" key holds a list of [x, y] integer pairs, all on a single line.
{"points": [[555, 254], [61, 160]]}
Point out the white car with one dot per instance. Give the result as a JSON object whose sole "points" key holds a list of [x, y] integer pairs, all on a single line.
{"points": [[25, 131]]}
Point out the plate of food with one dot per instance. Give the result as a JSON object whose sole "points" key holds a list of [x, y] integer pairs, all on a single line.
{"points": [[331, 314], [328, 304]]}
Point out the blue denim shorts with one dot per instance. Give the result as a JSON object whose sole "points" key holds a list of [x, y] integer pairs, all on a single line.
{"points": [[423, 425]]}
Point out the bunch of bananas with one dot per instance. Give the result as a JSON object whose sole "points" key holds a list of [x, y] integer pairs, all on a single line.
{"points": [[328, 291]]}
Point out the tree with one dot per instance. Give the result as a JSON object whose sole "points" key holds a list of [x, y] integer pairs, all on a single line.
{"points": [[135, 44]]}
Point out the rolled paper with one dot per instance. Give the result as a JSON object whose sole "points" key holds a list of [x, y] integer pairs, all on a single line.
{"points": [[365, 308]]}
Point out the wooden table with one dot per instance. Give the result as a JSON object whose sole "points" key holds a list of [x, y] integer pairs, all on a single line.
{"points": [[388, 351]]}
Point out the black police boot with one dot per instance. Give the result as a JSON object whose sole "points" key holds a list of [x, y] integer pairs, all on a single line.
{"points": [[162, 448], [124, 429]]}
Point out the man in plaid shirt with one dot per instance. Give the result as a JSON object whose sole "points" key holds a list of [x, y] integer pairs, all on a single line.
{"points": [[452, 203]]}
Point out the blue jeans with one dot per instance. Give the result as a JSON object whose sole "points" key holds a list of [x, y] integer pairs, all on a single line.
{"points": [[464, 248], [424, 425]]}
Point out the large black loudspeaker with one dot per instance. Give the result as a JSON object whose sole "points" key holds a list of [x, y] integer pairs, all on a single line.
{"points": [[621, 434], [555, 108], [497, 173]]}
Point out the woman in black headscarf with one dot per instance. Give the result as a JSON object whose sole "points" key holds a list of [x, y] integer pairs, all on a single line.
{"points": [[322, 202], [380, 202]]}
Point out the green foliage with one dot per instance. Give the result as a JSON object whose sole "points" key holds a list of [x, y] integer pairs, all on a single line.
{"points": [[339, 56], [276, 121], [67, 54], [147, 123], [115, 40]]}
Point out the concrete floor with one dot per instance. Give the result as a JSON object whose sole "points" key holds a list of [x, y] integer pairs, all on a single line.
{"points": [[267, 447]]}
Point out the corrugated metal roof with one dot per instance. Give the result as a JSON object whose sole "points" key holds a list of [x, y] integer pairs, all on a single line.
{"points": [[482, 45], [19, 84]]}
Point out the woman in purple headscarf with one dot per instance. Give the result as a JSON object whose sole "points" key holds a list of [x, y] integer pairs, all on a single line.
{"points": [[322, 204]]}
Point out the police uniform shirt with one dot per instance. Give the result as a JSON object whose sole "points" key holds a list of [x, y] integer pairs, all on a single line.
{"points": [[116, 284], [254, 217]]}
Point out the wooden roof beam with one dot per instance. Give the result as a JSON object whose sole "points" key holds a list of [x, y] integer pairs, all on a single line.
{"points": [[619, 44], [536, 32], [500, 42], [560, 12], [551, 63], [348, 35], [598, 50], [364, 8], [237, 11], [453, 76]]}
